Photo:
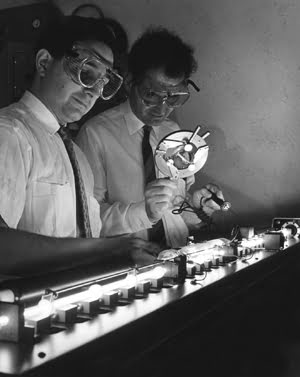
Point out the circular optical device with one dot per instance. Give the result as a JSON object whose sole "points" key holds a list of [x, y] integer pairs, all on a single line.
{"points": [[181, 153], [290, 228]]}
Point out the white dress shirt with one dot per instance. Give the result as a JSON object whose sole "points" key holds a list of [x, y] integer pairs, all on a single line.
{"points": [[112, 142], [37, 189]]}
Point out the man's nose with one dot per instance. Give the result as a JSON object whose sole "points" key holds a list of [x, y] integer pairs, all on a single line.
{"points": [[164, 108]]}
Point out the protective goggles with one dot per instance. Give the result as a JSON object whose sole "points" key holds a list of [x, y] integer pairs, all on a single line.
{"points": [[90, 70], [172, 99]]}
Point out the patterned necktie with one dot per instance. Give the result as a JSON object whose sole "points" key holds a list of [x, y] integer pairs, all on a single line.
{"points": [[156, 233], [83, 219]]}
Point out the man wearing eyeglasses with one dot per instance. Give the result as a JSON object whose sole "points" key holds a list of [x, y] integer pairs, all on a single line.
{"points": [[160, 65], [49, 218]]}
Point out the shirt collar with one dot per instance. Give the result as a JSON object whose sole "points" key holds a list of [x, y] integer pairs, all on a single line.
{"points": [[133, 123], [41, 112]]}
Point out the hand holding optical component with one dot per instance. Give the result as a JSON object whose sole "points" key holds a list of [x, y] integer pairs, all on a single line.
{"points": [[210, 198], [181, 154], [224, 205], [158, 197]]}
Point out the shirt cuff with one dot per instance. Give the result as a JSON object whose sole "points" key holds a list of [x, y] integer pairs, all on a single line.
{"points": [[138, 217]]}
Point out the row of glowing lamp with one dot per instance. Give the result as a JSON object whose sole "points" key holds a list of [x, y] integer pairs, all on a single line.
{"points": [[46, 307], [205, 258]]}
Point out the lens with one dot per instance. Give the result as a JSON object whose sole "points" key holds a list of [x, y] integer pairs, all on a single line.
{"points": [[175, 100], [91, 72], [71, 67], [113, 84], [152, 98]]}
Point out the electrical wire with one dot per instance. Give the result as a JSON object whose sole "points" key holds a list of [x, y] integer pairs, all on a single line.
{"points": [[196, 280], [234, 232], [248, 258], [185, 206]]}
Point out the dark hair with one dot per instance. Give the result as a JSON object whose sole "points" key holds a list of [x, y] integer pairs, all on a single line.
{"points": [[119, 33], [77, 11], [60, 36], [160, 48]]}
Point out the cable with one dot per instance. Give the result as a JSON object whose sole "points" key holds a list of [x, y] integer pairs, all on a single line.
{"points": [[234, 232], [185, 206], [251, 256], [196, 280]]}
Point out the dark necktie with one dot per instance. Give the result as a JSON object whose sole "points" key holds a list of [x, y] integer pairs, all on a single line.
{"points": [[156, 233], [83, 219], [149, 167]]}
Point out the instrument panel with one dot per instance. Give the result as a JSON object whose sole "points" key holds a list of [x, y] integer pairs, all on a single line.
{"points": [[83, 315]]}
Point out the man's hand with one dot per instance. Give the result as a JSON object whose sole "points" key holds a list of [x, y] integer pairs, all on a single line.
{"points": [[158, 197], [141, 251], [201, 198]]}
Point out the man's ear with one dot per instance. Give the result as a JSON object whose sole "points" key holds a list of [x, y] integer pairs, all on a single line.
{"points": [[43, 60]]}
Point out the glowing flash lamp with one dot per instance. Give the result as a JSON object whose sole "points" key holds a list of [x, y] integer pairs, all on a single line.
{"points": [[11, 321]]}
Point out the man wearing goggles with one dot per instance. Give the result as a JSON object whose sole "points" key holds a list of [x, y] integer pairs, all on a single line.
{"points": [[46, 184], [176, 97], [160, 65]]}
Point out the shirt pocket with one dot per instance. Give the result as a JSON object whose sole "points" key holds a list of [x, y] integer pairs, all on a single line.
{"points": [[54, 207], [94, 214], [48, 186]]}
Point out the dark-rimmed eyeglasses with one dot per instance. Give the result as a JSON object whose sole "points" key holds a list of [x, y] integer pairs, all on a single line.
{"points": [[171, 98]]}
